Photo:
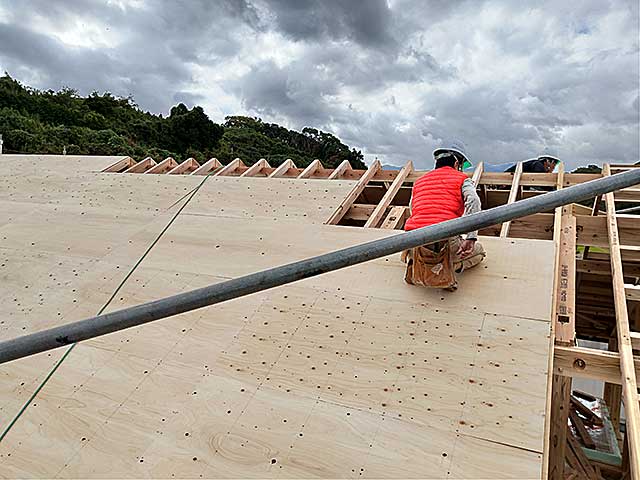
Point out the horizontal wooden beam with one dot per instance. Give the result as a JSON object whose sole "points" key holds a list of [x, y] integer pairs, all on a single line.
{"points": [[589, 363], [359, 212], [632, 292]]}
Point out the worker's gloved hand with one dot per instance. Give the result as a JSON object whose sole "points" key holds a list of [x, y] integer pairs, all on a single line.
{"points": [[465, 248]]}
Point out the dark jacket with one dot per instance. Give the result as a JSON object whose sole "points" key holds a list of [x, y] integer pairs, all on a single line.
{"points": [[530, 166]]}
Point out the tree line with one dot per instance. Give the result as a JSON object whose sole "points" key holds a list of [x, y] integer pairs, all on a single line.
{"points": [[48, 122]]}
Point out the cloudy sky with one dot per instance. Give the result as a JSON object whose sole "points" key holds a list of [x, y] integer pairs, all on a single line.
{"points": [[394, 78]]}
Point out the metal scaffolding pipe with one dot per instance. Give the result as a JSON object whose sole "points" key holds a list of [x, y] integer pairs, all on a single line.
{"points": [[630, 210], [274, 277]]}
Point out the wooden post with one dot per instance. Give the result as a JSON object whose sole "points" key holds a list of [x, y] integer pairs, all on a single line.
{"points": [[560, 396], [559, 389], [565, 314], [629, 383], [613, 395]]}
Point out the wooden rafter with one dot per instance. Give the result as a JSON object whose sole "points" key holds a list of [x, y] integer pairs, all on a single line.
{"points": [[312, 169], [513, 196], [231, 167], [256, 168], [283, 169], [120, 166], [142, 166], [188, 166], [353, 195], [164, 166], [208, 167], [565, 314], [378, 213], [477, 174], [340, 170], [558, 386], [629, 382]]}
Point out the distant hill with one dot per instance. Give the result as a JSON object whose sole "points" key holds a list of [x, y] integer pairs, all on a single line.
{"points": [[33, 121], [391, 167]]}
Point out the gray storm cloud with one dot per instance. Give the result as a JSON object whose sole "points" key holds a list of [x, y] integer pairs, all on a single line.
{"points": [[392, 78]]}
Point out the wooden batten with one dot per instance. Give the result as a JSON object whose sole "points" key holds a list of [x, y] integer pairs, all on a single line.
{"points": [[210, 166], [142, 166], [256, 168], [340, 170], [282, 170], [188, 166], [380, 210], [164, 166], [313, 168], [120, 166], [513, 196], [230, 168]]}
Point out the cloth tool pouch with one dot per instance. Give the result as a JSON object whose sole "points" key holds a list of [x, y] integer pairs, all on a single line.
{"points": [[430, 266]]}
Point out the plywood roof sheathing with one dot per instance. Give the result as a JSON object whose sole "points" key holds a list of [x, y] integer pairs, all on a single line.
{"points": [[231, 167], [142, 166], [120, 165], [256, 168], [186, 167], [340, 170], [283, 169], [378, 213], [211, 165]]}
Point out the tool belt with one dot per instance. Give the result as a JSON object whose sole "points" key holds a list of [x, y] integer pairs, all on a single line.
{"points": [[430, 265]]}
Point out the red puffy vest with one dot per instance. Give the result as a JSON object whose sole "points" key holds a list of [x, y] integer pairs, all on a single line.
{"points": [[437, 197]]}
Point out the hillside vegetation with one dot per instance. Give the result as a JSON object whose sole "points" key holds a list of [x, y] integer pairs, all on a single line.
{"points": [[33, 121]]}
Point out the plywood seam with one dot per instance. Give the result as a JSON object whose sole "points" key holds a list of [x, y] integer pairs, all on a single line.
{"points": [[6, 431]]}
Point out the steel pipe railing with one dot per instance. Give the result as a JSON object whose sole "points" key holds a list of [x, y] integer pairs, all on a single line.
{"points": [[130, 317]]}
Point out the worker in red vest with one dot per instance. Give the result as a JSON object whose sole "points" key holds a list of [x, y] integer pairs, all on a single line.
{"points": [[443, 194]]}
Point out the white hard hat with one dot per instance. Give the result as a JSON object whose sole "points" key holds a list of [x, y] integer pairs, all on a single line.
{"points": [[549, 154], [458, 147]]}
